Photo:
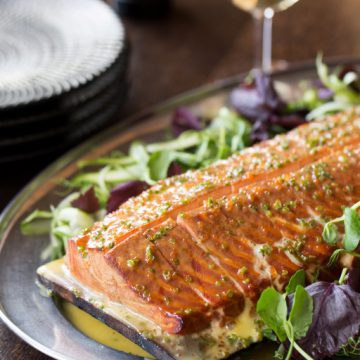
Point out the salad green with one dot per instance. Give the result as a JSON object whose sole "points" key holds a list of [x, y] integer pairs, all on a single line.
{"points": [[344, 95], [292, 325], [288, 317], [196, 147], [311, 312], [227, 134]]}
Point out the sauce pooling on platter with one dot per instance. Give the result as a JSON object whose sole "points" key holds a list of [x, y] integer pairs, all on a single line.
{"points": [[100, 332]]}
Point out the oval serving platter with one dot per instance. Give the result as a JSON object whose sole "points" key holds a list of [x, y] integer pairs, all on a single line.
{"points": [[37, 319]]}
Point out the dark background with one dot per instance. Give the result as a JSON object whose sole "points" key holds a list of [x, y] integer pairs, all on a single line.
{"points": [[198, 42]]}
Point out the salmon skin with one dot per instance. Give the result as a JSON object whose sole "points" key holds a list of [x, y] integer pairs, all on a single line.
{"points": [[192, 248]]}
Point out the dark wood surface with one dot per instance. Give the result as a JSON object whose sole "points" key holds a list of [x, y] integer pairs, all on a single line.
{"points": [[198, 42]]}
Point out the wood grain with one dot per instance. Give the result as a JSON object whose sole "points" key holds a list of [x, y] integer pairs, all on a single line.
{"points": [[198, 42]]}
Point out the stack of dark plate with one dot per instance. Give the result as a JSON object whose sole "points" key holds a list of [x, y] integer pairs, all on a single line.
{"points": [[62, 74]]}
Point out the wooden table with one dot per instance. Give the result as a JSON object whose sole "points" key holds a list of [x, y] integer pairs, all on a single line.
{"points": [[198, 42]]}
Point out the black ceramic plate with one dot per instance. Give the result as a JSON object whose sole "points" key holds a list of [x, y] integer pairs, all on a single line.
{"points": [[45, 113], [55, 141], [38, 320], [57, 123]]}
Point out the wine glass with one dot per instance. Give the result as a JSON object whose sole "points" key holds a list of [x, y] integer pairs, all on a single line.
{"points": [[263, 12]]}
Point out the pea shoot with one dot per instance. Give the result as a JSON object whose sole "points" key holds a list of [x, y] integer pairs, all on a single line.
{"points": [[351, 240], [283, 324]]}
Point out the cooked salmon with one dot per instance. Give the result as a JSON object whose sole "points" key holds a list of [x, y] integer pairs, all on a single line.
{"points": [[193, 247]]}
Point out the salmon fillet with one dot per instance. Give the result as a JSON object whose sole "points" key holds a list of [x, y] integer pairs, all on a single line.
{"points": [[193, 247]]}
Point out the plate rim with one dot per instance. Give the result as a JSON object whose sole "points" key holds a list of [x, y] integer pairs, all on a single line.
{"points": [[67, 158], [120, 47]]}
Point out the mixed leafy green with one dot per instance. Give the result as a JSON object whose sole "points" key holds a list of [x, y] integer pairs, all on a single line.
{"points": [[344, 85], [257, 113], [259, 102], [329, 312], [61, 222], [227, 133], [118, 177], [311, 322], [351, 240], [287, 323], [335, 318]]}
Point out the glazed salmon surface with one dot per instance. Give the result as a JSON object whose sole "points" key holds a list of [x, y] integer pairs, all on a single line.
{"points": [[193, 247]]}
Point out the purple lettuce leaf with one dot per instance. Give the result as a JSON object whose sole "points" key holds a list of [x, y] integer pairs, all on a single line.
{"points": [[336, 318], [87, 201], [175, 169], [259, 102], [260, 131], [257, 99], [183, 120], [121, 193], [289, 121], [323, 92]]}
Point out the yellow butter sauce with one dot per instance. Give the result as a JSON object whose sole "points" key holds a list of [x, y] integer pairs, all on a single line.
{"points": [[100, 332], [245, 325], [183, 347]]}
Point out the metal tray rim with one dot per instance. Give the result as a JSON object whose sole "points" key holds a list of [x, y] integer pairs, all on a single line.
{"points": [[65, 160]]}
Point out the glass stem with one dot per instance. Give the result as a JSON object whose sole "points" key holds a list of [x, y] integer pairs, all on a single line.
{"points": [[258, 41], [263, 39], [267, 40]]}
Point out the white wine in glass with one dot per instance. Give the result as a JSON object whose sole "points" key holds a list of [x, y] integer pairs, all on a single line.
{"points": [[263, 12]]}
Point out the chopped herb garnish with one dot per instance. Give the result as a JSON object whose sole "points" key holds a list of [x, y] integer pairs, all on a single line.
{"points": [[133, 262], [149, 256]]}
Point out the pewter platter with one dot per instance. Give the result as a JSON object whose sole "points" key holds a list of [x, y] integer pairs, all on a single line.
{"points": [[37, 319]]}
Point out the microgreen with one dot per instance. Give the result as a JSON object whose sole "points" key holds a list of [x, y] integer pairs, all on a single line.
{"points": [[352, 229], [330, 227], [272, 309], [344, 95], [297, 279], [63, 222], [116, 177], [192, 149], [336, 254], [292, 324], [351, 239], [301, 312], [343, 92], [330, 233], [351, 349]]}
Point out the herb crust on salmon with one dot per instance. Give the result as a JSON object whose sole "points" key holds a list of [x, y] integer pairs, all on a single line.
{"points": [[196, 247]]}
